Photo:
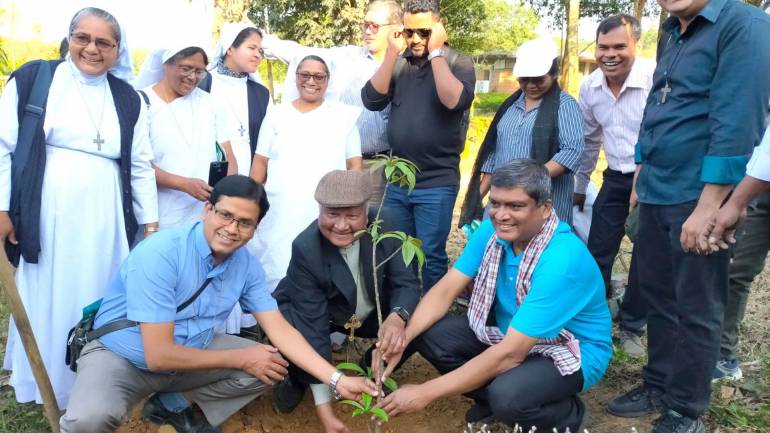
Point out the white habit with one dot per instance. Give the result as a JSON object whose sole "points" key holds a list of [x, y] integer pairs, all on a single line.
{"points": [[301, 148], [82, 232]]}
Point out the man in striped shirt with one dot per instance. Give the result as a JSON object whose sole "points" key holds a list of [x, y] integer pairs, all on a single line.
{"points": [[612, 99]]}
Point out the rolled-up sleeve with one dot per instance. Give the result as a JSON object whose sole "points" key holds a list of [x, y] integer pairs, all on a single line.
{"points": [[374, 100], [737, 106], [143, 186], [463, 70], [571, 140]]}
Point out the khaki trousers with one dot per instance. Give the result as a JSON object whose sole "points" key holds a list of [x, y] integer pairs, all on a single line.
{"points": [[108, 386]]}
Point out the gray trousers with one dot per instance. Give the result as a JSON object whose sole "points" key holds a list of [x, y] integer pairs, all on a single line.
{"points": [[748, 261], [107, 386]]}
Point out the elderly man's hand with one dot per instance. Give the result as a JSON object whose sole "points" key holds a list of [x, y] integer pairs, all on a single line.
{"points": [[264, 362], [406, 399], [722, 229], [392, 336], [438, 37]]}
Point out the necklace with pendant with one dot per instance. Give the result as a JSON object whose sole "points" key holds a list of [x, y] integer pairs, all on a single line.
{"points": [[98, 140], [241, 128]]}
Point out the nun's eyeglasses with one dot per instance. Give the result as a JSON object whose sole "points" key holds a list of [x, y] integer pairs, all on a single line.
{"points": [[189, 71], [84, 40]]}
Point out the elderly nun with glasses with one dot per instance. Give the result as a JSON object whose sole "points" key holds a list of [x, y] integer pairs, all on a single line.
{"points": [[300, 141], [74, 191], [185, 128], [539, 121]]}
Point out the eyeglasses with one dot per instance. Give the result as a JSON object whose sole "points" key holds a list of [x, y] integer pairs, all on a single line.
{"points": [[84, 40], [227, 218], [189, 71], [303, 77], [373, 27], [423, 33], [537, 81]]}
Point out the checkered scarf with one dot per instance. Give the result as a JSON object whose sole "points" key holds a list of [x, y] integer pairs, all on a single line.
{"points": [[564, 350]]}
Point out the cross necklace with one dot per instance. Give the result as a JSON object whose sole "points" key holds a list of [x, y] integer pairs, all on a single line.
{"points": [[665, 90], [98, 140], [241, 129]]}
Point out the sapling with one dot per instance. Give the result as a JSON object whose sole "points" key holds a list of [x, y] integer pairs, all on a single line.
{"points": [[403, 173]]}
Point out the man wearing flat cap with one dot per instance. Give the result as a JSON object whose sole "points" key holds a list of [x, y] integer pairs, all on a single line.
{"points": [[330, 280]]}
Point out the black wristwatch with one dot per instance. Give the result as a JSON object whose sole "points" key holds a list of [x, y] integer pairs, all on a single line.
{"points": [[402, 313]]}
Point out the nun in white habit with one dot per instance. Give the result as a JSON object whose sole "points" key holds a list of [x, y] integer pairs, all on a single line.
{"points": [[82, 231], [234, 83], [184, 131]]}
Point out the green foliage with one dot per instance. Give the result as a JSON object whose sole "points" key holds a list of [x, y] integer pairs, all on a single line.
{"points": [[556, 9], [488, 103], [20, 418], [397, 170], [366, 406], [503, 26]]}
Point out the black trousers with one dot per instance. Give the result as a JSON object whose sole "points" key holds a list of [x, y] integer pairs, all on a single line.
{"points": [[532, 394], [686, 294], [608, 218]]}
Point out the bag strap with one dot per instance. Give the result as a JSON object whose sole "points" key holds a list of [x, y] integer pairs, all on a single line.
{"points": [[145, 97], [34, 111], [125, 323], [205, 83]]}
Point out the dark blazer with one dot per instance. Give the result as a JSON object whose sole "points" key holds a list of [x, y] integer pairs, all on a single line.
{"points": [[318, 290]]}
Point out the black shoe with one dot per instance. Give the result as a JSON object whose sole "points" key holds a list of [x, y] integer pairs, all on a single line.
{"points": [[640, 401], [674, 422], [185, 421], [287, 395], [583, 422], [479, 413]]}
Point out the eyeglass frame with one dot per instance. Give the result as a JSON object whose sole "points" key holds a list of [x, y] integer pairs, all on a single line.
{"points": [[537, 81], [110, 45], [241, 225], [199, 73], [372, 26], [304, 77], [423, 33]]}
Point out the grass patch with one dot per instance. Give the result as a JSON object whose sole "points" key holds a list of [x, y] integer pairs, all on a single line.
{"points": [[488, 103], [747, 418], [20, 418]]}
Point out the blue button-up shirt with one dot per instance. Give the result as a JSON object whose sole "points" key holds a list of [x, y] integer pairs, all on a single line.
{"points": [[164, 271], [719, 80]]}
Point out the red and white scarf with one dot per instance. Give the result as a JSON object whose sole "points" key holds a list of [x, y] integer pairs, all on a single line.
{"points": [[564, 350]]}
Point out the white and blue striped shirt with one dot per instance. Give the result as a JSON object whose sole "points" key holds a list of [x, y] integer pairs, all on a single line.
{"points": [[514, 141]]}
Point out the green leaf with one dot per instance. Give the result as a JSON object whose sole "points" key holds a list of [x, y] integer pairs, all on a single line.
{"points": [[379, 413], [374, 165], [411, 180], [407, 252], [401, 236], [366, 400], [369, 372], [390, 384], [389, 172], [352, 403], [352, 367], [358, 412]]}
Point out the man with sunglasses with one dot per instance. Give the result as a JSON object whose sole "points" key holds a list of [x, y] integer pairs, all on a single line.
{"points": [[351, 66], [428, 87], [163, 305]]}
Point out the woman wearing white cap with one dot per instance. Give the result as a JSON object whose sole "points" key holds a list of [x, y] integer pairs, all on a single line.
{"points": [[538, 121], [72, 203], [183, 128], [234, 83]]}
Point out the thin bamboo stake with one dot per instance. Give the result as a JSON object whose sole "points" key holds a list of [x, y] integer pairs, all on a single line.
{"points": [[21, 320]]}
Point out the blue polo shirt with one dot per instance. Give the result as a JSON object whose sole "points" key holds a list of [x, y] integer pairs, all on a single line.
{"points": [[567, 292], [164, 271], [718, 73]]}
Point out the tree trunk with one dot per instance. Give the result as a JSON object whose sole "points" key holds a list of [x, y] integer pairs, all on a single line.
{"points": [[570, 80], [639, 9], [228, 11]]}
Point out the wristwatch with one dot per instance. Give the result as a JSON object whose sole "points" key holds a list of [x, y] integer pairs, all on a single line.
{"points": [[438, 52], [333, 384], [402, 313]]}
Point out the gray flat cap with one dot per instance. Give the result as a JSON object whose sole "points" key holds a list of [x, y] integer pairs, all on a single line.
{"points": [[344, 188]]}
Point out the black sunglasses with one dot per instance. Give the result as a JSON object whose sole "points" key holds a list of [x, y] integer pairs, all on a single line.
{"points": [[424, 33]]}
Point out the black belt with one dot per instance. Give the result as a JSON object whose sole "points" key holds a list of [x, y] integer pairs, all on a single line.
{"points": [[372, 155]]}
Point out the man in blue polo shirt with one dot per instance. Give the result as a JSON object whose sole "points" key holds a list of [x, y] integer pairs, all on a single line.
{"points": [[538, 329], [169, 349], [704, 115]]}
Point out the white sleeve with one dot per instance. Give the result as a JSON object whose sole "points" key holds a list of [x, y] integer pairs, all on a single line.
{"points": [[282, 49], [267, 134], [143, 186], [593, 141], [759, 165], [321, 393], [353, 143], [9, 132]]}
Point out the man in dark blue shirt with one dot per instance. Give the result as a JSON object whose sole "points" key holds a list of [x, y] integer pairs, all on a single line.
{"points": [[704, 115]]}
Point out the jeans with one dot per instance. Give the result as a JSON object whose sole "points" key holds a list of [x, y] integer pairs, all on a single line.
{"points": [[686, 294], [425, 213], [531, 394], [748, 261]]}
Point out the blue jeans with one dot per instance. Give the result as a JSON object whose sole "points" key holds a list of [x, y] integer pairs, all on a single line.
{"points": [[426, 214]]}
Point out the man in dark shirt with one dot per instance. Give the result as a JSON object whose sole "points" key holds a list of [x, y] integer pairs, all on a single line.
{"points": [[429, 88], [704, 115]]}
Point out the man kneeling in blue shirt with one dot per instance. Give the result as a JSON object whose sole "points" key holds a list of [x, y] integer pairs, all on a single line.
{"points": [[537, 330], [170, 351]]}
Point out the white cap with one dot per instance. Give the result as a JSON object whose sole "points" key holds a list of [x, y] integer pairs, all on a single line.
{"points": [[534, 58]]}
